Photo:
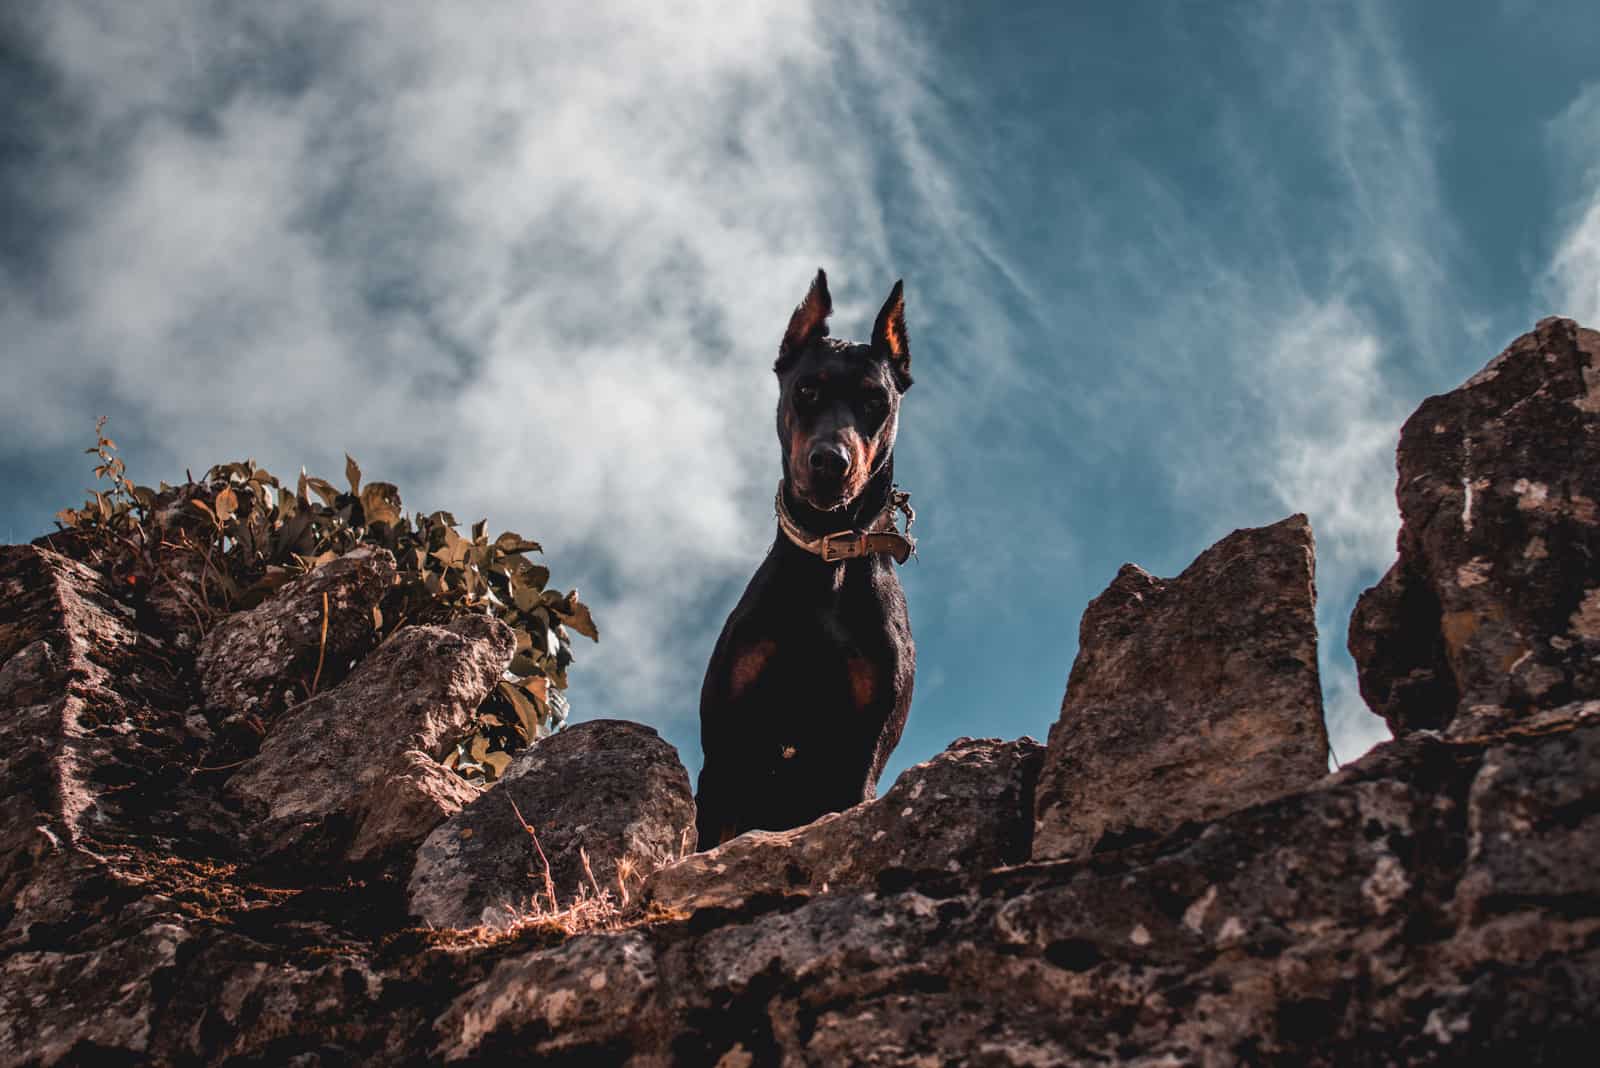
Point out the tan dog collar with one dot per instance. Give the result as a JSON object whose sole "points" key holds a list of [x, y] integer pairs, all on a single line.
{"points": [[880, 537]]}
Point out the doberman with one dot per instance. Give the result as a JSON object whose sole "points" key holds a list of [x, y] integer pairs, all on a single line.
{"points": [[809, 685]]}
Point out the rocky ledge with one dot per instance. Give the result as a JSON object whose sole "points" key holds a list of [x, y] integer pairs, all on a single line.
{"points": [[1173, 879]]}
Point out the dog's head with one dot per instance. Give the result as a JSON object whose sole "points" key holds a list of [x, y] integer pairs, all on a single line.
{"points": [[839, 401]]}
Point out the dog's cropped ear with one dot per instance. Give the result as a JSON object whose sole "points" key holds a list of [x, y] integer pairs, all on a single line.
{"points": [[889, 338], [809, 322]]}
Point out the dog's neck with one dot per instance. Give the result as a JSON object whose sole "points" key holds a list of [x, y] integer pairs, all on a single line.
{"points": [[857, 515]]}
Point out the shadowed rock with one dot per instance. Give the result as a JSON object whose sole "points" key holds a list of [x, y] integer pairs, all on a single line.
{"points": [[86, 702], [968, 809], [1493, 607], [256, 663], [610, 788], [1190, 697], [354, 771]]}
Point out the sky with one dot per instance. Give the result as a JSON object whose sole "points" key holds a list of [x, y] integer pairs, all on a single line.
{"points": [[1171, 269]]}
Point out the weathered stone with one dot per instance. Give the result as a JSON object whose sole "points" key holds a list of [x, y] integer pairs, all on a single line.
{"points": [[320, 784], [1493, 607], [258, 662], [1549, 784], [578, 1000], [1190, 697], [409, 801], [610, 788], [969, 809], [1313, 929], [97, 1001], [85, 701]]}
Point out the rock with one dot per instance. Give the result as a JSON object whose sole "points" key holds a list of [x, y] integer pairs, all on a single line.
{"points": [[969, 809], [86, 701], [1315, 928], [338, 775], [1190, 697], [610, 788], [101, 1000], [1542, 784], [256, 663], [1493, 608]]}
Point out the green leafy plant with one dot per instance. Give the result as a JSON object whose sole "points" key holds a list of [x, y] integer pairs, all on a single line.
{"points": [[228, 541]]}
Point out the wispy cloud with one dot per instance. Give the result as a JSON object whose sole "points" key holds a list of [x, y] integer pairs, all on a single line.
{"points": [[526, 261], [1291, 362], [1572, 281]]}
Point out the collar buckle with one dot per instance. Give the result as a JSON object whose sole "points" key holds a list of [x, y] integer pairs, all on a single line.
{"points": [[844, 545]]}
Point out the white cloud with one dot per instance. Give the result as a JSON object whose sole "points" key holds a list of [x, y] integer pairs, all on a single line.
{"points": [[529, 261], [1293, 362], [1572, 281]]}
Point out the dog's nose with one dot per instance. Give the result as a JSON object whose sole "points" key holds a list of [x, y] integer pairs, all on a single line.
{"points": [[829, 460]]}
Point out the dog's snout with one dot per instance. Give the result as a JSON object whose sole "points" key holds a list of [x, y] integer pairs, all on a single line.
{"points": [[829, 460]]}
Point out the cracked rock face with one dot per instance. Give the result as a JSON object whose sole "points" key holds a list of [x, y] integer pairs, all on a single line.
{"points": [[1493, 607], [257, 662], [968, 809], [611, 788], [1190, 698], [354, 771]]}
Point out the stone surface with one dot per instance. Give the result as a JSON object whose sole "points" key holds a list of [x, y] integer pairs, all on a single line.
{"points": [[258, 662], [1435, 902], [969, 809], [1321, 928], [94, 748], [1190, 697], [325, 781], [1493, 607], [610, 788]]}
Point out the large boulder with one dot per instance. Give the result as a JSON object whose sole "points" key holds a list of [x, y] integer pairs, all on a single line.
{"points": [[1493, 608], [258, 662], [354, 772], [1190, 697], [969, 809], [608, 801]]}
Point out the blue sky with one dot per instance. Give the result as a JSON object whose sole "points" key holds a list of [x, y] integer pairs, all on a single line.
{"points": [[1171, 269]]}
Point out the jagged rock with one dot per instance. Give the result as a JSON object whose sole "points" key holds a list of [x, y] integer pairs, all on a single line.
{"points": [[968, 809], [1320, 928], [86, 701], [610, 788], [1493, 607], [325, 780], [1431, 903], [1518, 787], [99, 1001], [256, 663], [1190, 697]]}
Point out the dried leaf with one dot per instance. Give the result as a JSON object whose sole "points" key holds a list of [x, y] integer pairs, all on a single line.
{"points": [[352, 472], [512, 542], [495, 764], [575, 614], [380, 503], [227, 503], [530, 706], [324, 489]]}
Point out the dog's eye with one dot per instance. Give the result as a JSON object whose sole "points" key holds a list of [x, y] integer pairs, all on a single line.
{"points": [[806, 396], [874, 404]]}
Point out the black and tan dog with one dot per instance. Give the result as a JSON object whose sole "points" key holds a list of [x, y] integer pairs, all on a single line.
{"points": [[810, 682]]}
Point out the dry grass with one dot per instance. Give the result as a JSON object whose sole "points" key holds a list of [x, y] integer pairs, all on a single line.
{"points": [[596, 907]]}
